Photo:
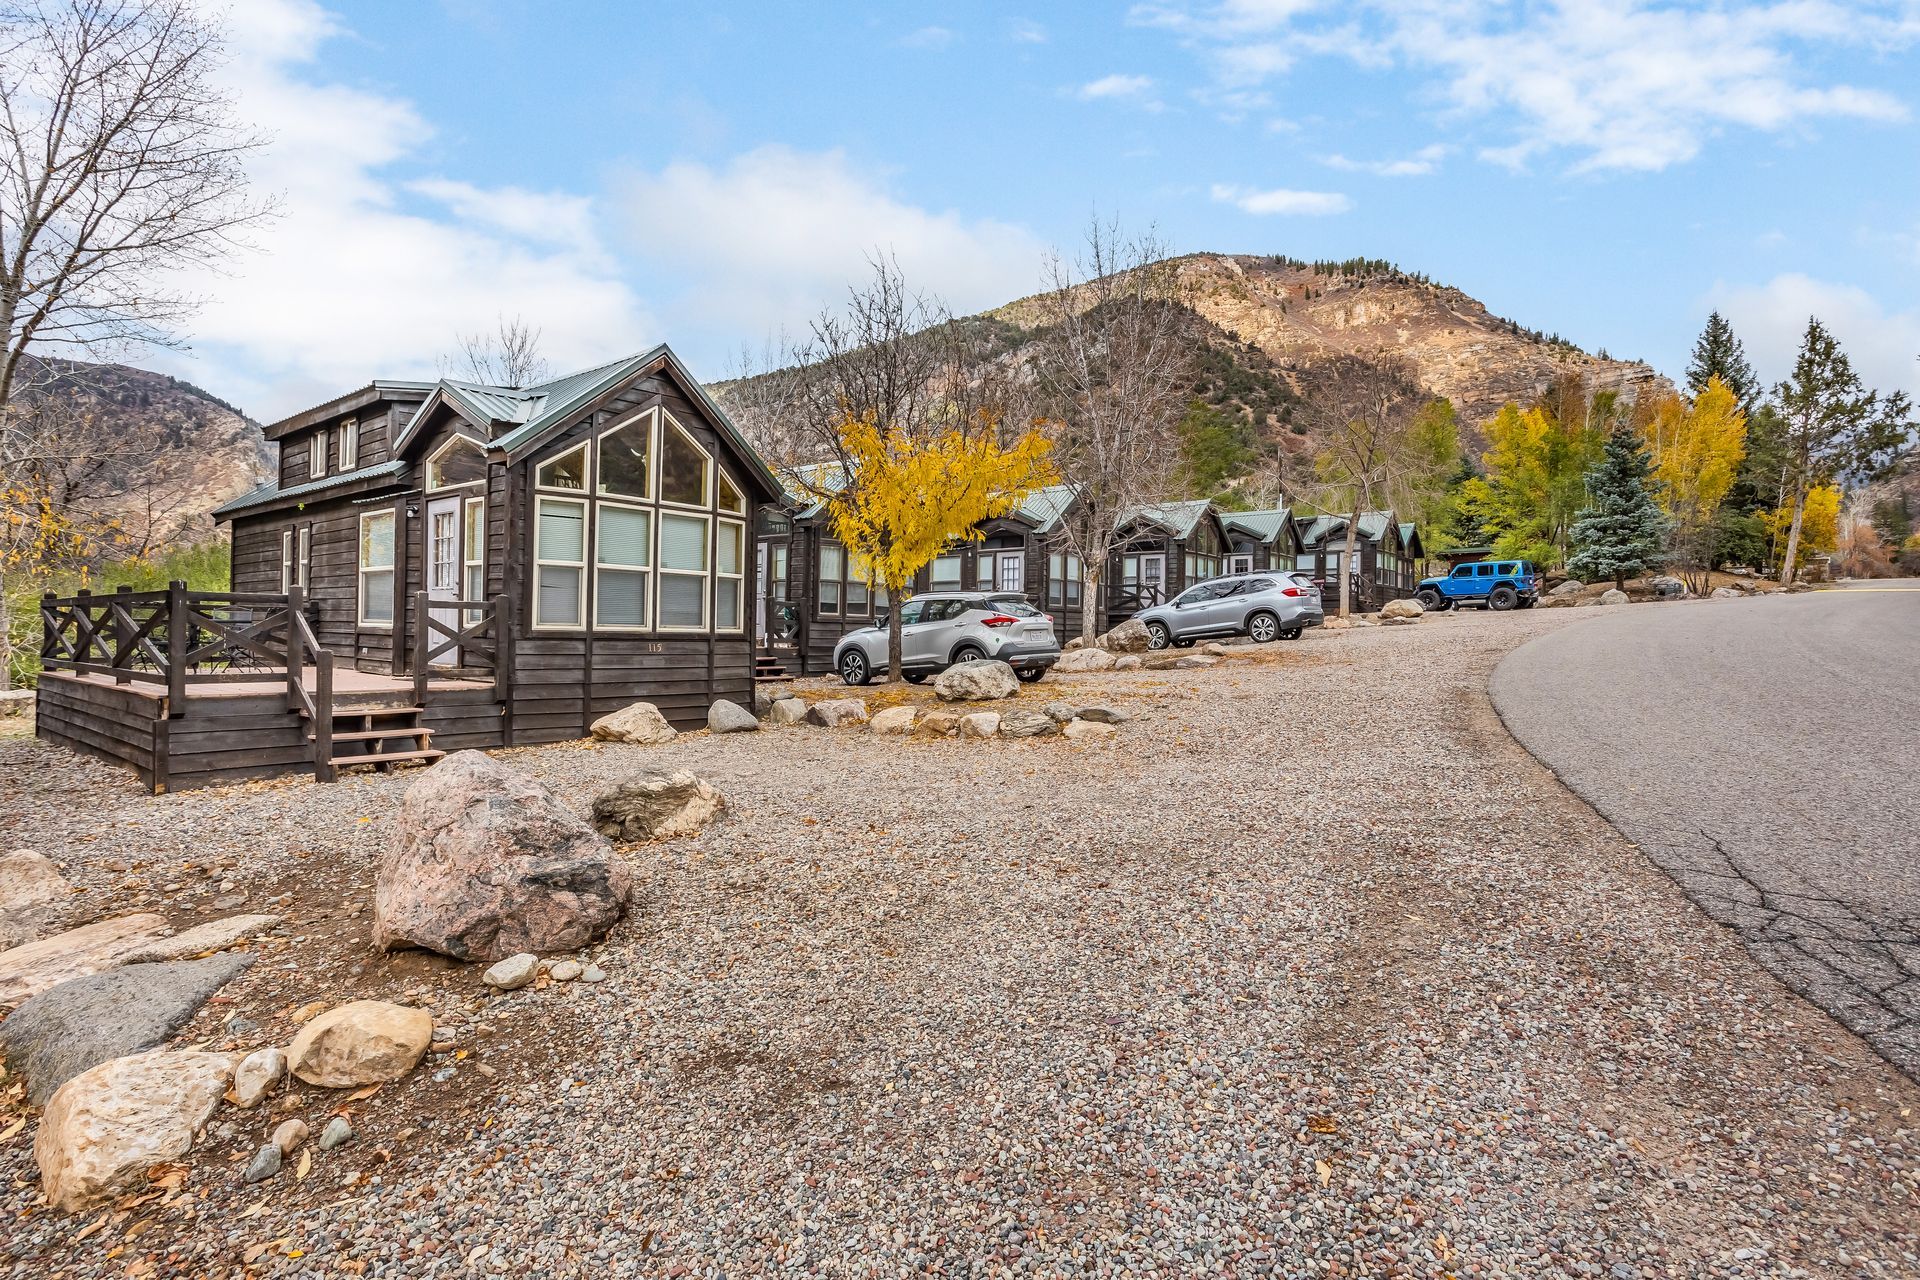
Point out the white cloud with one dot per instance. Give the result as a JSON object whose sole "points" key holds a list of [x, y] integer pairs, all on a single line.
{"points": [[1772, 318], [928, 38], [370, 273], [1026, 31], [775, 234], [1623, 84], [1115, 86], [1282, 201], [1421, 163]]}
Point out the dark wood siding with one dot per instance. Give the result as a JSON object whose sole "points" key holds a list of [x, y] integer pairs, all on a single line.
{"points": [[123, 725]]}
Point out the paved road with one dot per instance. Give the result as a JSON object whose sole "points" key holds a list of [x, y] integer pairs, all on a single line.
{"points": [[1766, 754]]}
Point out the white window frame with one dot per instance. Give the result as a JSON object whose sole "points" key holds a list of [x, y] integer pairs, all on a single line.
{"points": [[720, 474], [649, 571], [652, 417], [473, 549], [350, 445], [317, 455], [660, 466], [839, 580], [447, 446], [662, 573], [286, 560], [580, 566], [586, 472], [720, 580], [1240, 562], [303, 560], [361, 570]]}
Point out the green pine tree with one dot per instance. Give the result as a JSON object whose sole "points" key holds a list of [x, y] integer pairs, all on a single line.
{"points": [[1718, 354], [1621, 530]]}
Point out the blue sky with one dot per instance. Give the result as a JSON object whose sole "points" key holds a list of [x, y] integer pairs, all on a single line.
{"points": [[713, 175]]}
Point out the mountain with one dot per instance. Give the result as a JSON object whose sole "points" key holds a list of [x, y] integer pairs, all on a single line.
{"points": [[1298, 315], [192, 450]]}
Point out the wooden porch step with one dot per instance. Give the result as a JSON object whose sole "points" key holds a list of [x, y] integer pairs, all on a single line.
{"points": [[425, 755], [378, 735]]}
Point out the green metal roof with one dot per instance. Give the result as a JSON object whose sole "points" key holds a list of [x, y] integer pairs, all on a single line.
{"points": [[1373, 526], [1177, 518], [272, 492], [1045, 507], [1264, 525]]}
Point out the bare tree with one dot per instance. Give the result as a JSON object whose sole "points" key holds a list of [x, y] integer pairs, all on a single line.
{"points": [[120, 162], [1112, 373], [507, 357], [1380, 448]]}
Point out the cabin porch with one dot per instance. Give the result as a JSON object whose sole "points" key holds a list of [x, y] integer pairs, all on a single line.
{"points": [[197, 688]]}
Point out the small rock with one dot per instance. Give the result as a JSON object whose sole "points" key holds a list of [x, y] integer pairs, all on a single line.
{"points": [[1725, 593], [1410, 610], [257, 1076], [1061, 712], [32, 894], [364, 1042], [1105, 715], [1613, 595], [731, 717], [641, 723], [107, 1126], [787, 711], [656, 804], [566, 971], [834, 713], [980, 724], [937, 724], [764, 698], [1086, 660], [1027, 724], [593, 973], [894, 720], [1216, 649], [1128, 662], [1080, 729], [288, 1135], [512, 973], [266, 1163], [338, 1130]]}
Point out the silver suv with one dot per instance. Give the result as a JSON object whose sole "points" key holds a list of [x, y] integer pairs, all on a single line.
{"points": [[1276, 604], [941, 628]]}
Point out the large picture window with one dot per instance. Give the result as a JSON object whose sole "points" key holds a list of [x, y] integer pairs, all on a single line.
{"points": [[621, 567], [626, 458], [686, 472], [560, 563], [684, 564], [945, 575], [376, 569], [833, 576]]}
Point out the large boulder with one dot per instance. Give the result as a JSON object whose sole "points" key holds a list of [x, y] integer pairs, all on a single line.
{"points": [[1668, 587], [485, 862], [730, 717], [836, 713], [107, 1126], [33, 967], [362, 1042], [1078, 730], [894, 720], [654, 804], [1613, 595], [1130, 636], [1725, 593], [1086, 660], [1571, 587], [937, 724], [79, 1024], [1128, 662], [980, 680], [1027, 724], [1408, 609], [641, 722], [787, 710], [33, 895], [980, 724]]}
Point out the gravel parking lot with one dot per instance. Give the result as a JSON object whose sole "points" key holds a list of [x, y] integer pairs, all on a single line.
{"points": [[1309, 971]]}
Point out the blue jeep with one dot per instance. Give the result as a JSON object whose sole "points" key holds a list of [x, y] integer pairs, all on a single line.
{"points": [[1491, 584]]}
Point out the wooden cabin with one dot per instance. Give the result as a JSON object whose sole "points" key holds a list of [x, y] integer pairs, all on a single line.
{"points": [[437, 566], [1262, 540], [1159, 551], [1388, 554], [812, 594]]}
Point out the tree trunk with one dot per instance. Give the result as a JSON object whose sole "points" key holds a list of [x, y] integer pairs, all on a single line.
{"points": [[894, 601], [1348, 569], [1793, 538], [6, 638], [1090, 603]]}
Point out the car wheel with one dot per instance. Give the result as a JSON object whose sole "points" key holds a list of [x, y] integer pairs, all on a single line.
{"points": [[1528, 604], [915, 677], [1292, 633], [1427, 599], [1502, 599], [1186, 643], [853, 667], [968, 653], [1263, 628], [1029, 675], [1158, 637]]}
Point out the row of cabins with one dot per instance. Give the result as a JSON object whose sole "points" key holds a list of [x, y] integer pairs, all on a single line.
{"points": [[442, 565]]}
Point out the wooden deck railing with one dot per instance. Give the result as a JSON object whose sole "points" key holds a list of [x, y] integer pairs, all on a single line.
{"points": [[470, 632]]}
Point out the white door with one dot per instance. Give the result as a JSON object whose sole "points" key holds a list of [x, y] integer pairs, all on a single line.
{"points": [[1153, 579], [1011, 573], [443, 570], [760, 593]]}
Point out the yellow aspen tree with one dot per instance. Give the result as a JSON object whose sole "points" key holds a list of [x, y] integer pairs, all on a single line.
{"points": [[918, 493], [1695, 451]]}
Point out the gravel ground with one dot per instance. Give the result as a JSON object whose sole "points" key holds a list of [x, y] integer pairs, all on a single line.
{"points": [[1310, 971]]}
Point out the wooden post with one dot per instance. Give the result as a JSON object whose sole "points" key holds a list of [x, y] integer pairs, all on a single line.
{"points": [[49, 629], [323, 770], [503, 666], [179, 640], [84, 630], [122, 633], [296, 650], [422, 641]]}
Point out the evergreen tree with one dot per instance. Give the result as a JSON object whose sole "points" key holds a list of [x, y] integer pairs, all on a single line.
{"points": [[1620, 531], [1718, 354]]}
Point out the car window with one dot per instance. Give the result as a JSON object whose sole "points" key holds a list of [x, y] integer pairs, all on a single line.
{"points": [[1464, 571], [942, 610], [1508, 569], [1194, 595], [1303, 579], [1262, 584], [1483, 571], [1012, 608]]}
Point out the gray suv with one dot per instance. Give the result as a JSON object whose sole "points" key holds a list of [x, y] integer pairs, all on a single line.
{"points": [[941, 628], [1276, 604]]}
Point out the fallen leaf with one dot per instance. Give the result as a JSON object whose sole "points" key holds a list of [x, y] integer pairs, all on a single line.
{"points": [[1325, 1171], [306, 1165], [14, 1128]]}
